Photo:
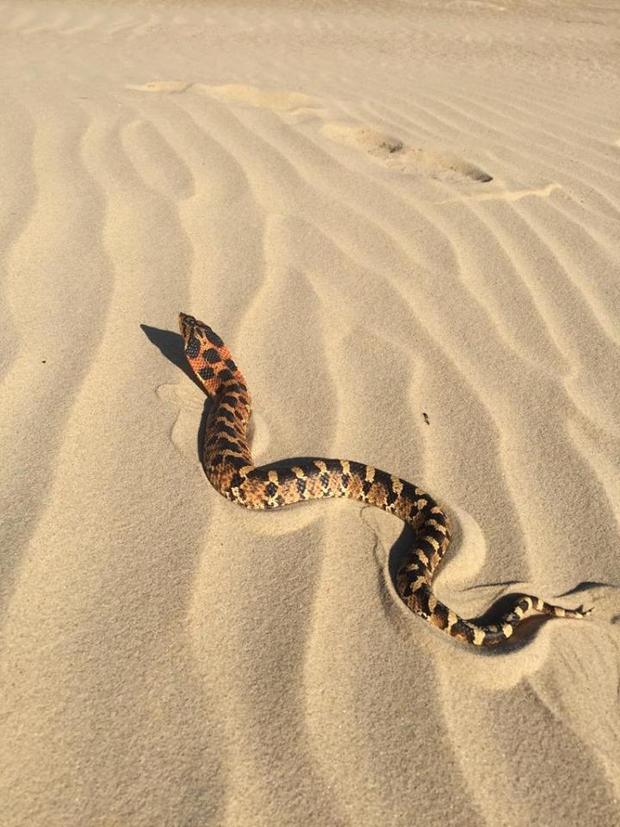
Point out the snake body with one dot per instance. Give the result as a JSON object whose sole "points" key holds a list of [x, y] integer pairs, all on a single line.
{"points": [[228, 464]]}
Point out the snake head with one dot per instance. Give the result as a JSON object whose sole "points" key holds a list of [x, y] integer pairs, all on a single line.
{"points": [[192, 329], [187, 325], [207, 355], [198, 336]]}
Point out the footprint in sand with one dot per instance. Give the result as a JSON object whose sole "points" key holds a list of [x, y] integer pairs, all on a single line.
{"points": [[278, 100], [393, 153], [237, 94], [385, 149], [169, 87]]}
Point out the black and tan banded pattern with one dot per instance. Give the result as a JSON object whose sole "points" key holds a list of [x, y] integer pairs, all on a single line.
{"points": [[227, 460]]}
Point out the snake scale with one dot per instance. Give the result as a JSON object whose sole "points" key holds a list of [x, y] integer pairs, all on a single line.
{"points": [[228, 464]]}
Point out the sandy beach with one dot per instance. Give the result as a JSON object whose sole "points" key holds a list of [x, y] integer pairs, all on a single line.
{"points": [[403, 218]]}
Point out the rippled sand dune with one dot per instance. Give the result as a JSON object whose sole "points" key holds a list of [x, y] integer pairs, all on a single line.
{"points": [[404, 220]]}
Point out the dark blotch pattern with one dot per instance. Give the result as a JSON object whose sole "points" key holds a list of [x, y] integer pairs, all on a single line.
{"points": [[229, 415], [391, 497], [236, 462], [213, 337], [227, 444], [211, 355], [193, 348], [462, 630], [441, 615]]}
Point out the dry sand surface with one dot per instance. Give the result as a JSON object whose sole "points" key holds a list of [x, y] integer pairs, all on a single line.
{"points": [[404, 219]]}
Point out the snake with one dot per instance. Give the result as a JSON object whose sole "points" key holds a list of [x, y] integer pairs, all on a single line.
{"points": [[227, 461]]}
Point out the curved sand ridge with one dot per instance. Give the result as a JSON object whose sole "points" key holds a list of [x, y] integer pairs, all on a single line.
{"points": [[405, 227]]}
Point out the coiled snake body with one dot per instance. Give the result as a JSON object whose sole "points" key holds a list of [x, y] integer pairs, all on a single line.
{"points": [[228, 464]]}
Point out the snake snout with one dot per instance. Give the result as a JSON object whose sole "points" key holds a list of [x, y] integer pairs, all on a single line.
{"points": [[186, 324]]}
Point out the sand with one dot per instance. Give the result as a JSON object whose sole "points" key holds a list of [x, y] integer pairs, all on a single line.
{"points": [[403, 218]]}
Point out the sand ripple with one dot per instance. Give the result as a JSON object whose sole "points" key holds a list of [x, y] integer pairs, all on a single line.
{"points": [[406, 229]]}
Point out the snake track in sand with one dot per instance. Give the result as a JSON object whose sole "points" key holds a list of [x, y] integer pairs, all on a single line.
{"points": [[228, 464]]}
